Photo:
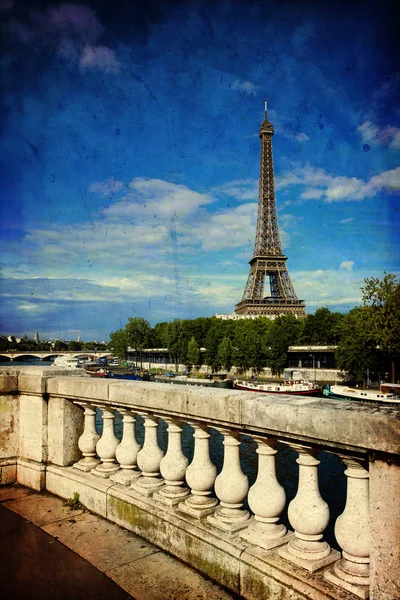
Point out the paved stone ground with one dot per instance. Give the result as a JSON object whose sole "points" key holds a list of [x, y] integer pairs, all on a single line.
{"points": [[49, 550]]}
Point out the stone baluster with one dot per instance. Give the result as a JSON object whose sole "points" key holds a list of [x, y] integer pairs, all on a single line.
{"points": [[267, 500], [88, 440], [173, 466], [308, 515], [200, 476], [127, 450], [149, 458], [107, 445], [352, 531], [231, 487]]}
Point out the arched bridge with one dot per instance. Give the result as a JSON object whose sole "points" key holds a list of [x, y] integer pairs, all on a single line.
{"points": [[46, 356]]}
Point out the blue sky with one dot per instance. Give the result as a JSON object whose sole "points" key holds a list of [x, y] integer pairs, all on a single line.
{"points": [[130, 155]]}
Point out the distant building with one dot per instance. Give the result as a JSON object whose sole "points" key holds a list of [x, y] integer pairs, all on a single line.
{"points": [[36, 336]]}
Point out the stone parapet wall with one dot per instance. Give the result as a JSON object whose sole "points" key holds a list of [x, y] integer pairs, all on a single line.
{"points": [[215, 522]]}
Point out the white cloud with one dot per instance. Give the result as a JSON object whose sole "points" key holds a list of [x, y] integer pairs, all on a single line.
{"points": [[228, 229], [287, 129], [321, 185], [329, 287], [241, 189], [302, 137], [154, 200], [98, 57], [348, 220], [313, 194], [155, 228], [245, 86], [347, 265], [107, 187], [69, 30], [28, 307], [387, 136]]}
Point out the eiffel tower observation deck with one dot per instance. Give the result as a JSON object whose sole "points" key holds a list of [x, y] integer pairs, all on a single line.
{"points": [[268, 266]]}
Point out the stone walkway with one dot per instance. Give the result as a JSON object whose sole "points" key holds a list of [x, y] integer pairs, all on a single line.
{"points": [[49, 550]]}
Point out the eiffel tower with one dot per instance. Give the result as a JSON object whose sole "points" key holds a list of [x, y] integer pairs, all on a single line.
{"points": [[268, 264]]}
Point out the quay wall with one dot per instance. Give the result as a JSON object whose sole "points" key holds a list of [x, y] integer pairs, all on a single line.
{"points": [[215, 522]]}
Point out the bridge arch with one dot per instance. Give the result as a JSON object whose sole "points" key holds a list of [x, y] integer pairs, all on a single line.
{"points": [[46, 356]]}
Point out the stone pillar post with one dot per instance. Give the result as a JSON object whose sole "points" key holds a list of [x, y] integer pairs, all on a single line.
{"points": [[200, 476], [173, 466], [127, 451], [231, 487], [385, 528], [308, 515], [88, 440], [65, 425], [107, 445], [352, 532], [266, 499], [149, 458]]}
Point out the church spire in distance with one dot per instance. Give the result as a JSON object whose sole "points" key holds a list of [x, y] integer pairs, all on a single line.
{"points": [[268, 265]]}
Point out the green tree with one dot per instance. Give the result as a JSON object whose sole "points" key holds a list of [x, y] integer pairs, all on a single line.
{"points": [[193, 354], [119, 343], [225, 353], [74, 346], [159, 335], [176, 342], [243, 344], [138, 334], [59, 345], [285, 331], [370, 338], [4, 343], [323, 327], [382, 297], [356, 352], [212, 341]]}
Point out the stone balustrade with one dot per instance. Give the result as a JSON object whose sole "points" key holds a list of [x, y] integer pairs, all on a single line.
{"points": [[158, 477]]}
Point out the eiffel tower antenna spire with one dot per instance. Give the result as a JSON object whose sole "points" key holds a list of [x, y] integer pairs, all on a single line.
{"points": [[268, 265]]}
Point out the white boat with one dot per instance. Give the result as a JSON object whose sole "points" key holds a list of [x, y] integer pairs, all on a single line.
{"points": [[67, 362], [293, 384], [344, 392]]}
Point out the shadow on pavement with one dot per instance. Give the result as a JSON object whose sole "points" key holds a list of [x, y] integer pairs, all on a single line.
{"points": [[35, 566]]}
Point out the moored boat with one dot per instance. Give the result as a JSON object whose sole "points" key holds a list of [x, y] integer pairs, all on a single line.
{"points": [[67, 362], [129, 376], [98, 372], [197, 381], [344, 392], [293, 384]]}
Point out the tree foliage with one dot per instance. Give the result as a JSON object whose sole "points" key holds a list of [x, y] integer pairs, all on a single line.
{"points": [[366, 338], [119, 343], [285, 331], [193, 354], [370, 336], [225, 353], [356, 352], [138, 332], [323, 327]]}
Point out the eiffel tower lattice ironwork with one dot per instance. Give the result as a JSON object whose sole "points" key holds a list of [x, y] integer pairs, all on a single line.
{"points": [[268, 263]]}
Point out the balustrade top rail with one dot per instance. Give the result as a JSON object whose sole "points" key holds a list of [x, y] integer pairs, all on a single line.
{"points": [[340, 425]]}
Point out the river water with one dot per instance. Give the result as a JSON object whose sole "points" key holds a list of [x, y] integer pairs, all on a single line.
{"points": [[332, 480]]}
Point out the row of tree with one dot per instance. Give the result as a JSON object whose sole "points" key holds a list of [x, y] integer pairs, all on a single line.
{"points": [[27, 344], [366, 339]]}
